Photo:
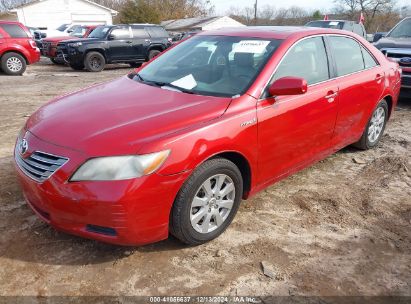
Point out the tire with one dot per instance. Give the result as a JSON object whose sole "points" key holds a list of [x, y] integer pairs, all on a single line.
{"points": [[153, 53], [375, 127], [77, 66], [56, 61], [183, 213], [13, 64], [94, 62], [135, 64]]}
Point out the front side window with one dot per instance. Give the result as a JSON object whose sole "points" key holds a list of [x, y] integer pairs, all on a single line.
{"points": [[14, 31], [79, 32], [307, 59], [211, 65], [121, 33], [347, 54]]}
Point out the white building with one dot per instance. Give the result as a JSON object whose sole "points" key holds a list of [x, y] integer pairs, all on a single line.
{"points": [[49, 14], [200, 24]]}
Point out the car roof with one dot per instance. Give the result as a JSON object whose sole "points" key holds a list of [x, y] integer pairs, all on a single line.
{"points": [[273, 32]]}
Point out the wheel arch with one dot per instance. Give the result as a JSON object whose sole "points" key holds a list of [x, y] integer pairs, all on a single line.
{"points": [[389, 100], [17, 52], [101, 51]]}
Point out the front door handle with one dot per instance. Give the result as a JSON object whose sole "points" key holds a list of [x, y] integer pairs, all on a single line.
{"points": [[129, 42], [331, 96]]}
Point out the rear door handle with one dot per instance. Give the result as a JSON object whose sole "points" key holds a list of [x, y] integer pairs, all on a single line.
{"points": [[379, 77], [331, 96]]}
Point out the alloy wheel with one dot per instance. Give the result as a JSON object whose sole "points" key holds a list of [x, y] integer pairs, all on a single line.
{"points": [[376, 124], [14, 64], [212, 203]]}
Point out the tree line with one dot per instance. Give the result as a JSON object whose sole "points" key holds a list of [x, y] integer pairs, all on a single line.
{"points": [[380, 15]]}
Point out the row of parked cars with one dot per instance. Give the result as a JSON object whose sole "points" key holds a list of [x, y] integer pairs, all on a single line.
{"points": [[89, 47]]}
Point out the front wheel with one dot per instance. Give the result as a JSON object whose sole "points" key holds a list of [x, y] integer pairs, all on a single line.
{"points": [[13, 64], [94, 62], [375, 127], [207, 202], [153, 53]]}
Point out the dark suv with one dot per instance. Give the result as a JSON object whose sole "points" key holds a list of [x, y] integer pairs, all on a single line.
{"points": [[123, 43]]}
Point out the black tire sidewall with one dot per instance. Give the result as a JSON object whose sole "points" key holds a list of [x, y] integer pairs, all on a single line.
{"points": [[189, 190], [153, 53], [88, 58], [7, 56], [384, 105]]}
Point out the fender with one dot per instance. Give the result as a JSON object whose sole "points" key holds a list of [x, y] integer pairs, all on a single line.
{"points": [[18, 49]]}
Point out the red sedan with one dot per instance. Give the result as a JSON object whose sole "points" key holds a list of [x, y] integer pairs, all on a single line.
{"points": [[175, 146]]}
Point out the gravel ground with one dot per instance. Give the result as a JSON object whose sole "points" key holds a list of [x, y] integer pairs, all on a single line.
{"points": [[340, 227]]}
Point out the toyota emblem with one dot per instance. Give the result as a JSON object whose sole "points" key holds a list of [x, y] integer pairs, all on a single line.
{"points": [[24, 146]]}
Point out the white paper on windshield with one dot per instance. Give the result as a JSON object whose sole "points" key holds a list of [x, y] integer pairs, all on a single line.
{"points": [[251, 46], [333, 23], [187, 82]]}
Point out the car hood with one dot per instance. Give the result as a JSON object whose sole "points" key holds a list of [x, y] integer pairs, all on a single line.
{"points": [[58, 39], [118, 117], [389, 42]]}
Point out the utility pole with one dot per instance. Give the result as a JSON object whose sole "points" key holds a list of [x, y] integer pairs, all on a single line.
{"points": [[255, 12]]}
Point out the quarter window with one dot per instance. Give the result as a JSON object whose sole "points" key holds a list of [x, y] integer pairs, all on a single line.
{"points": [[14, 31], [369, 61], [307, 59], [347, 54]]}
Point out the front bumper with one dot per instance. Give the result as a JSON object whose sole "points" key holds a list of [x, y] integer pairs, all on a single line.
{"points": [[130, 212]]}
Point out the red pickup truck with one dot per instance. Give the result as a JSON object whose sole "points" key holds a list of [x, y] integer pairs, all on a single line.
{"points": [[50, 44], [17, 48]]}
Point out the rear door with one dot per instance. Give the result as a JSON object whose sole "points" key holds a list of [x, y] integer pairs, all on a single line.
{"points": [[141, 41], [361, 84], [120, 44], [294, 130], [3, 41]]}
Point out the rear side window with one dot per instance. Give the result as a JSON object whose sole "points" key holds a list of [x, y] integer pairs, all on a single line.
{"points": [[140, 33], [347, 54], [157, 32], [14, 31], [369, 61], [307, 59]]}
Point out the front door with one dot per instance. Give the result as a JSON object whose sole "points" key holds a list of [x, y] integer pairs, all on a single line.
{"points": [[120, 44], [293, 130]]}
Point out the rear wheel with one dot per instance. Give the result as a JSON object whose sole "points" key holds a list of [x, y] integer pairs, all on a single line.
{"points": [[207, 202], [94, 62], [13, 64], [375, 127], [153, 53]]}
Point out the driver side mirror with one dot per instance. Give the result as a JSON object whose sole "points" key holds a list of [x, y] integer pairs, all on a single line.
{"points": [[288, 86], [111, 37]]}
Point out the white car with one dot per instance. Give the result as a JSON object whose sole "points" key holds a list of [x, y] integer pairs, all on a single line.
{"points": [[62, 30]]}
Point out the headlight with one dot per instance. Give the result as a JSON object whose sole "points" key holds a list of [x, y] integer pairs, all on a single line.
{"points": [[75, 44], [120, 167]]}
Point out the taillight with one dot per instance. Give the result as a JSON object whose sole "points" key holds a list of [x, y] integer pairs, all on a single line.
{"points": [[33, 44]]}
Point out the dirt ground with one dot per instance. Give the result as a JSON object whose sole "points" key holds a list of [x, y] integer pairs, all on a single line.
{"points": [[341, 227]]}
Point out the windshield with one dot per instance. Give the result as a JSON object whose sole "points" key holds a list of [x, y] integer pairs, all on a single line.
{"points": [[326, 24], [402, 30], [62, 27], [79, 32], [99, 32], [210, 65]]}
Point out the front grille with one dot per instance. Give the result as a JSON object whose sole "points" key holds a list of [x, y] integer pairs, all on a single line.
{"points": [[39, 165]]}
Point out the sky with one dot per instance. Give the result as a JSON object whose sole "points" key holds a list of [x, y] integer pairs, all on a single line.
{"points": [[222, 6]]}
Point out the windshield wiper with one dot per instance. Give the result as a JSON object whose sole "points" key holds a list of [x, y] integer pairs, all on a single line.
{"points": [[163, 84]]}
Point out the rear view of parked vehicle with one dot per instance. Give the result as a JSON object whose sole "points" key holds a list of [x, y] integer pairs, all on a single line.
{"points": [[49, 45], [131, 44], [17, 48]]}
